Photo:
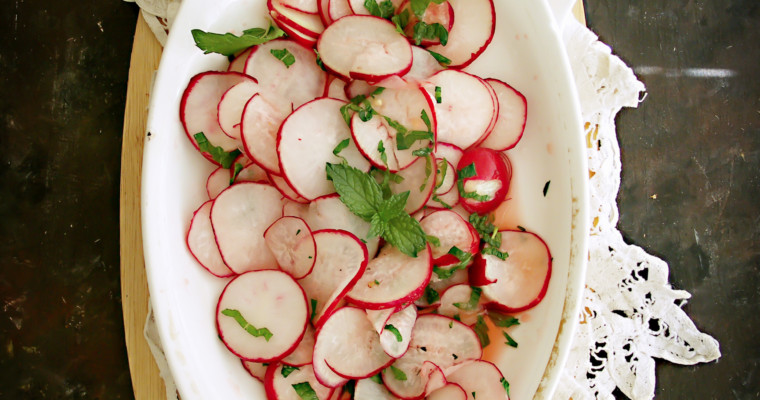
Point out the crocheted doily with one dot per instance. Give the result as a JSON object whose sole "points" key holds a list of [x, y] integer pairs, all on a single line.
{"points": [[630, 314]]}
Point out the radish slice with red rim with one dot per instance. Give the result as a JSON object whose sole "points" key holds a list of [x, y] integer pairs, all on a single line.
{"points": [[434, 376], [284, 187], [238, 64], [328, 212], [521, 280], [364, 47], [450, 391], [198, 111], [239, 216], [257, 370], [392, 278], [336, 88], [463, 302], [424, 65], [466, 110], [231, 106], [441, 340], [298, 83], [379, 318], [397, 331], [283, 382], [451, 231], [302, 355], [291, 242], [249, 171], [419, 180], [294, 31], [341, 260], [249, 315], [202, 245], [488, 178], [513, 113], [369, 389], [473, 29], [437, 286], [259, 125], [217, 181], [434, 14], [444, 182], [338, 9], [323, 9], [480, 379], [304, 6], [350, 345], [306, 142], [306, 23]]}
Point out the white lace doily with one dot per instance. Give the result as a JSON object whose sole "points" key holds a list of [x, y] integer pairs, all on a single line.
{"points": [[630, 314]]}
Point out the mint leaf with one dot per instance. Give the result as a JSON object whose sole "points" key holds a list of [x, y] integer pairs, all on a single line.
{"points": [[377, 227], [392, 329], [401, 20], [438, 98], [481, 329], [431, 295], [287, 370], [377, 379], [505, 384], [383, 10], [358, 191], [236, 172], [228, 44], [486, 229], [438, 200], [510, 342], [434, 31], [252, 330], [284, 55], [419, 6], [474, 299], [394, 206], [405, 234], [440, 58], [495, 252], [305, 391], [464, 260], [341, 146], [502, 320], [217, 153], [398, 374]]}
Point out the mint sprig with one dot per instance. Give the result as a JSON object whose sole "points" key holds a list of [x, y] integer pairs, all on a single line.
{"points": [[363, 196], [217, 153], [228, 44]]}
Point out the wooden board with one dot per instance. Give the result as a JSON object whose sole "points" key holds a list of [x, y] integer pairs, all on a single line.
{"points": [[146, 52]]}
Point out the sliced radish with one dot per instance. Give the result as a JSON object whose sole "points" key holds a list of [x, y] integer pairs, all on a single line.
{"points": [[452, 231], [304, 6], [302, 355], [282, 383], [357, 6], [341, 260], [466, 109], [257, 370], [198, 112], [434, 376], [339, 9], [249, 315], [445, 182], [439, 286], [294, 31], [307, 23], [419, 181], [231, 106], [252, 173], [473, 29], [392, 278], [280, 84], [368, 389], [490, 182], [451, 391], [513, 113], [259, 125], [202, 245], [306, 142], [378, 318], [480, 379], [291, 242], [328, 212], [424, 65], [434, 14], [397, 331], [336, 88], [217, 181], [458, 301], [284, 187], [324, 374], [238, 64], [358, 87], [521, 280], [323, 9], [350, 345], [364, 47], [239, 216], [452, 154], [441, 340]]}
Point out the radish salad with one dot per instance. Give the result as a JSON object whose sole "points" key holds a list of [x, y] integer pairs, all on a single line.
{"points": [[351, 212]]}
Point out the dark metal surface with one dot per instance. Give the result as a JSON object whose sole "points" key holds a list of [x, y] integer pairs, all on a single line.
{"points": [[691, 182]]}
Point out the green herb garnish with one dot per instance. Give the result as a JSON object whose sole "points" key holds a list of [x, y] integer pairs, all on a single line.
{"points": [[473, 302], [440, 58], [217, 153], [438, 98], [305, 391], [431, 295], [511, 342], [398, 374], [502, 320], [252, 330], [287, 370], [505, 384], [228, 44], [464, 258], [424, 31], [384, 9], [392, 329], [481, 329], [285, 56], [236, 172]]}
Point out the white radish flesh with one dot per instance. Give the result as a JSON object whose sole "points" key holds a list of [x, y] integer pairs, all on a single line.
{"points": [[336, 88], [231, 107], [250, 172], [480, 379], [435, 338], [306, 23], [368, 389], [284, 187], [452, 231], [424, 65], [296, 84], [338, 9], [281, 387], [304, 6], [445, 182], [306, 142], [259, 125], [434, 376], [256, 369], [522, 278], [238, 64], [255, 302], [217, 181], [328, 212], [392, 278], [395, 343], [513, 113], [379, 318], [302, 355], [419, 181], [473, 29], [291, 242], [451, 391], [341, 260], [466, 110], [202, 245], [350, 345], [239, 216], [456, 301], [294, 31], [364, 47], [198, 111]]}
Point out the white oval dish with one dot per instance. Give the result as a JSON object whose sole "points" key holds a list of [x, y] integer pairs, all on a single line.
{"points": [[526, 52]]}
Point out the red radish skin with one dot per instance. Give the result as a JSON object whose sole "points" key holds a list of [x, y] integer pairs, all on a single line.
{"points": [[197, 110], [472, 32], [293, 31], [217, 181], [280, 387], [293, 245], [520, 281], [304, 6], [239, 216], [259, 125], [231, 106], [262, 297], [309, 24], [513, 114], [480, 379], [202, 245], [493, 176], [256, 369], [364, 47]]}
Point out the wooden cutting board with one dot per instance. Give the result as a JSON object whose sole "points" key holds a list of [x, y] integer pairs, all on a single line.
{"points": [[146, 53]]}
